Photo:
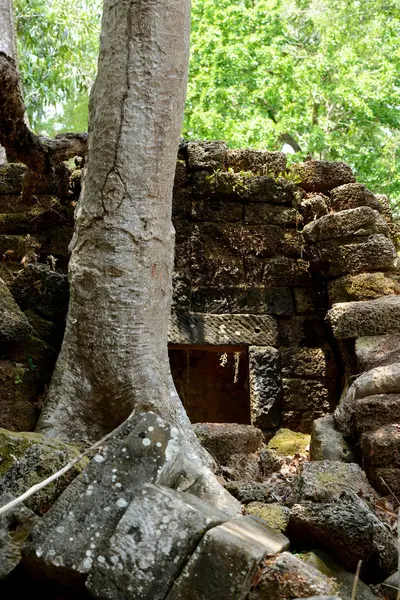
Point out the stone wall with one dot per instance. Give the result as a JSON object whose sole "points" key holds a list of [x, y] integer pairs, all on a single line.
{"points": [[261, 254]]}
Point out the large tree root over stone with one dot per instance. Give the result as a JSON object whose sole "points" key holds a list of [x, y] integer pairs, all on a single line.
{"points": [[41, 155]]}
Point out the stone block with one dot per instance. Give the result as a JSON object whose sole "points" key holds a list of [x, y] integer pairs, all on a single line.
{"points": [[226, 559], [377, 351], [367, 318], [28, 458], [256, 160], [305, 301], [14, 326], [353, 195], [257, 213], [255, 299], [19, 391], [364, 286], [199, 328], [209, 156], [391, 585], [11, 177], [381, 448], [217, 211], [15, 526], [305, 331], [327, 443], [286, 576], [358, 222], [249, 491], [349, 531], [223, 440], [151, 544], [269, 190], [282, 270], [307, 362], [335, 258], [275, 515], [376, 411], [322, 176], [265, 387], [307, 394], [313, 207]]}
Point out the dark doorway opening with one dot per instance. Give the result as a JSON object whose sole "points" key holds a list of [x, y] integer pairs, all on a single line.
{"points": [[212, 382]]}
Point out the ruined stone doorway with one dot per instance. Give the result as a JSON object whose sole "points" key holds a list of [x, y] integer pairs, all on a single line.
{"points": [[212, 382]]}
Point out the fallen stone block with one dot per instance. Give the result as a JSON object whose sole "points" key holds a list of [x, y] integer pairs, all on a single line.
{"points": [[369, 318], [358, 222], [222, 440], [327, 443], [376, 411], [349, 531], [265, 387], [377, 351], [225, 561], [249, 491], [307, 362], [286, 576], [15, 526], [364, 286], [151, 544]]}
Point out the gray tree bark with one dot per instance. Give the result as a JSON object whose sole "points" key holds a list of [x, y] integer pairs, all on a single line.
{"points": [[114, 357], [7, 42]]}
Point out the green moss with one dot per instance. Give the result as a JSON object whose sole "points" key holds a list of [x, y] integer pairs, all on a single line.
{"points": [[288, 443], [275, 515]]}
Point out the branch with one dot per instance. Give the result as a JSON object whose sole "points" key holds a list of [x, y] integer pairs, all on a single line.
{"points": [[41, 155]]}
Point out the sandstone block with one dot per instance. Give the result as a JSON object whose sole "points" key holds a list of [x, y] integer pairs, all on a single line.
{"points": [[256, 160], [226, 559], [327, 443], [307, 362], [269, 213], [364, 286], [255, 299], [377, 351], [206, 155]]}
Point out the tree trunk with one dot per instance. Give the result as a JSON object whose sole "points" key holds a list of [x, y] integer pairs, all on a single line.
{"points": [[114, 357], [7, 42]]}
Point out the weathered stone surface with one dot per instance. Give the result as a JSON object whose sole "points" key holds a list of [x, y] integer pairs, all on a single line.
{"points": [[43, 290], [307, 362], [368, 318], [15, 526], [353, 195], [305, 400], [206, 155], [325, 481], [249, 491], [256, 160], [145, 449], [286, 576], [349, 531], [377, 351], [305, 301], [321, 176], [14, 326], [301, 331], [391, 585], [269, 190], [15, 247], [223, 440], [381, 452], [345, 580], [364, 286], [151, 544], [223, 564], [11, 176], [46, 330], [274, 514], [27, 459], [218, 211], [327, 443], [241, 299], [376, 411], [265, 387], [243, 467], [288, 443], [269, 213], [339, 257], [19, 395], [199, 328], [314, 207], [358, 222]]}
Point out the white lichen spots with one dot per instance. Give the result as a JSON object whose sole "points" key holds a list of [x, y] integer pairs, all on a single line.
{"points": [[114, 560], [173, 394], [87, 563], [51, 552], [146, 442], [58, 561], [97, 534], [98, 458], [123, 449], [60, 529], [172, 526], [165, 519], [39, 552], [114, 470], [158, 444], [101, 559], [71, 514], [118, 485], [151, 428], [88, 553], [93, 546], [71, 539], [122, 503], [107, 509]]}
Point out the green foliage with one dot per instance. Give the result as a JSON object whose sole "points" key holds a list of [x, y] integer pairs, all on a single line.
{"points": [[58, 46], [323, 74]]}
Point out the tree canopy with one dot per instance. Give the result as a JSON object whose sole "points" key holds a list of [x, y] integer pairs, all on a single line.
{"points": [[321, 75]]}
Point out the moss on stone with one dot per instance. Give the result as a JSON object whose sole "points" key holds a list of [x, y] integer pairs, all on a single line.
{"points": [[28, 458], [288, 443], [275, 515]]}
